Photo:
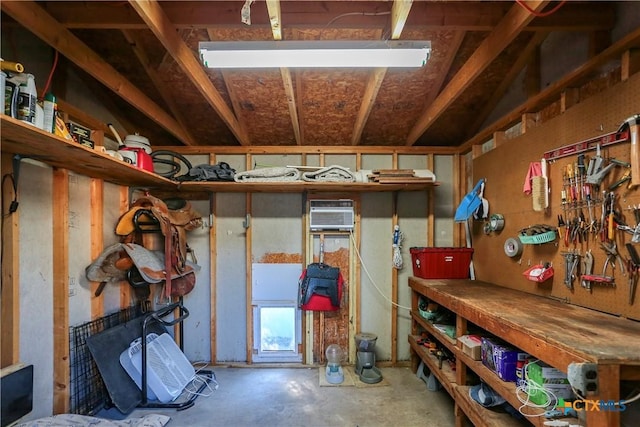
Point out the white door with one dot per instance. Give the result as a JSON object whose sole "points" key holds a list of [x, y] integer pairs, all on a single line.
{"points": [[277, 321]]}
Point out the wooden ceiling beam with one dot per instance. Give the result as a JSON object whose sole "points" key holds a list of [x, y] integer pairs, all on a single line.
{"points": [[275, 18], [136, 45], [523, 59], [447, 62], [458, 15], [504, 33], [152, 13], [552, 92], [44, 26], [399, 13]]}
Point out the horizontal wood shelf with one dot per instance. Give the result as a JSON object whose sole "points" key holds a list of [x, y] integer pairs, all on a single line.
{"points": [[446, 340], [446, 376], [481, 416], [298, 187], [29, 141]]}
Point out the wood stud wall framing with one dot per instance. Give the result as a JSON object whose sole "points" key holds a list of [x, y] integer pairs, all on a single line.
{"points": [[10, 351], [61, 370]]}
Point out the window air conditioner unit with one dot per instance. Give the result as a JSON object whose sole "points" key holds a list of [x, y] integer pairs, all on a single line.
{"points": [[331, 214]]}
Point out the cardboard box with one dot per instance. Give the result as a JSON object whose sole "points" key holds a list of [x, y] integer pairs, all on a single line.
{"points": [[441, 263], [540, 375], [471, 345], [501, 358]]}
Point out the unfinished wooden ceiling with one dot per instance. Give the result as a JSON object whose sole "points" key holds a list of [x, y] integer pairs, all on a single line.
{"points": [[141, 61]]}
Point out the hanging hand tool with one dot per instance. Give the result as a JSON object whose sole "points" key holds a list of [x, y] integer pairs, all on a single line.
{"points": [[572, 193], [595, 171], [634, 271], [582, 170], [571, 261], [633, 123], [587, 269], [576, 179], [612, 256], [625, 177], [610, 227]]}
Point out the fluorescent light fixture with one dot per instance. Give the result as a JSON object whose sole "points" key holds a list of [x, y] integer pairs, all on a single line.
{"points": [[308, 54]]}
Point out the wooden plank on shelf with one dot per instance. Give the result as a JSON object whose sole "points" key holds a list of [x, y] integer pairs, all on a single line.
{"points": [[394, 172], [403, 180]]}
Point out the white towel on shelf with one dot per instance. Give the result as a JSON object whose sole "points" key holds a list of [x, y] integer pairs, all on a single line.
{"points": [[272, 174], [332, 173]]}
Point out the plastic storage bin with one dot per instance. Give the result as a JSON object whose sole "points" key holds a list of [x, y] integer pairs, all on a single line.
{"points": [[441, 263]]}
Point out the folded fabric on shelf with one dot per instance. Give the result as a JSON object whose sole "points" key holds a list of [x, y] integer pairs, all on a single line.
{"points": [[272, 174], [332, 173]]}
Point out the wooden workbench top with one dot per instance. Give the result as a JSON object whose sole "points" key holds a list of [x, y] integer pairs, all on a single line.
{"points": [[554, 331]]}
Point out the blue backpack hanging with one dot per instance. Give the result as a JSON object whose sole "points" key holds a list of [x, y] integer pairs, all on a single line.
{"points": [[470, 203]]}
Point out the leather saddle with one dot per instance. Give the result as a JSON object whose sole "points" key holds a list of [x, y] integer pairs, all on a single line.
{"points": [[172, 218]]}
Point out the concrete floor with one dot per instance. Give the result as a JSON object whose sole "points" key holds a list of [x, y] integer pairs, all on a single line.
{"points": [[294, 397]]}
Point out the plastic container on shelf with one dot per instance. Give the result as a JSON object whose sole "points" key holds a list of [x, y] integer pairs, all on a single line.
{"points": [[50, 112], [27, 99], [441, 263]]}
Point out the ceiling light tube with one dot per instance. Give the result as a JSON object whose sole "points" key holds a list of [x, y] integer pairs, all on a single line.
{"points": [[311, 54]]}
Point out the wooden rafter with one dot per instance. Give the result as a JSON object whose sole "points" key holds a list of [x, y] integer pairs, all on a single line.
{"points": [[136, 45], [467, 16], [505, 32], [275, 19], [452, 50], [291, 102], [399, 14], [368, 99], [553, 91], [231, 92], [43, 25], [152, 13], [521, 62]]}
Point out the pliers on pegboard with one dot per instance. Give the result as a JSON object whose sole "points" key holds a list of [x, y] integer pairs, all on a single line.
{"points": [[613, 255]]}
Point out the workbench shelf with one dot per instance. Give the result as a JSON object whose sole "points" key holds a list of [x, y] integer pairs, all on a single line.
{"points": [[481, 416], [554, 332], [28, 141], [445, 375], [445, 340]]}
